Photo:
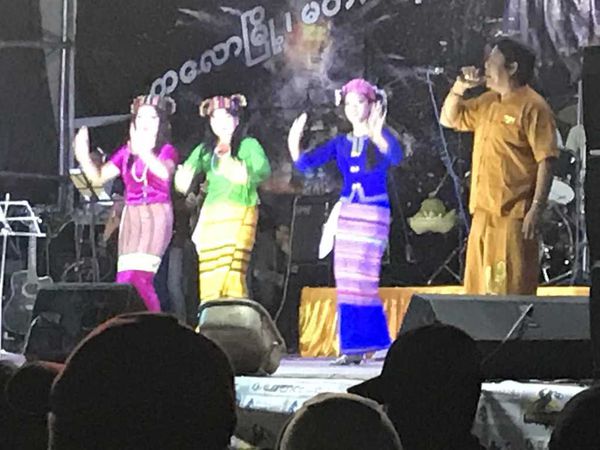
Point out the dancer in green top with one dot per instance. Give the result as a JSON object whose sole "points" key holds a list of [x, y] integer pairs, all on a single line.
{"points": [[234, 165]]}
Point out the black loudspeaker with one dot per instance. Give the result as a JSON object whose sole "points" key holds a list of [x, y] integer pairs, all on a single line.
{"points": [[591, 120], [309, 213], [590, 77], [300, 276], [595, 320], [64, 313], [520, 337], [245, 332]]}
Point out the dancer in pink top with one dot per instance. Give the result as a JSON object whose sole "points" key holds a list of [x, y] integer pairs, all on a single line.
{"points": [[146, 164]]}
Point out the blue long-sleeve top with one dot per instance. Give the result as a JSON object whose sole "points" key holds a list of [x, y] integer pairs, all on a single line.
{"points": [[360, 184]]}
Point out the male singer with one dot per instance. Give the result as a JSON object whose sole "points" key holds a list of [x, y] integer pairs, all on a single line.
{"points": [[513, 153]]}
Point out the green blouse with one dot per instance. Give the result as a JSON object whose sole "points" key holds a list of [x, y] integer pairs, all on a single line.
{"points": [[219, 187]]}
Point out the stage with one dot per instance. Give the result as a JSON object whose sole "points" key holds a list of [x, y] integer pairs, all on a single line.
{"points": [[318, 312], [511, 414]]}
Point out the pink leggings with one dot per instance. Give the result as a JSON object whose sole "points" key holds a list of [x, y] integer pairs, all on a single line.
{"points": [[144, 284]]}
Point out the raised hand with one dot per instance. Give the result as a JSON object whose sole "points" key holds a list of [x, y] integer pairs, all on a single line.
{"points": [[82, 145], [295, 135], [234, 170], [376, 121], [183, 178], [469, 78]]}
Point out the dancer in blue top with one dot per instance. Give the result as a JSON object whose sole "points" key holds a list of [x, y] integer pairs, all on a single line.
{"points": [[361, 217]]}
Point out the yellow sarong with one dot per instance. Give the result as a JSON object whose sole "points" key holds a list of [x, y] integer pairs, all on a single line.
{"points": [[499, 260], [224, 237]]}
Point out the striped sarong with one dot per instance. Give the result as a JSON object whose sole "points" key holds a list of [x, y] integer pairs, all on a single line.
{"points": [[224, 237], [360, 240], [144, 234]]}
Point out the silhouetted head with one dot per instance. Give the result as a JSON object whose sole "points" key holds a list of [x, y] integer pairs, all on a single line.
{"points": [[143, 381]]}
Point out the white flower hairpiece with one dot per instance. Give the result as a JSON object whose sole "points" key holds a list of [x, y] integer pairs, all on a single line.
{"points": [[338, 97]]}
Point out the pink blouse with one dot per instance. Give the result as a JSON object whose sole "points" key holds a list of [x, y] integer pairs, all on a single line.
{"points": [[141, 185]]}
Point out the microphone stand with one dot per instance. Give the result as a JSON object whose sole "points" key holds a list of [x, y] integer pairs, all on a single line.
{"points": [[27, 224], [89, 207]]}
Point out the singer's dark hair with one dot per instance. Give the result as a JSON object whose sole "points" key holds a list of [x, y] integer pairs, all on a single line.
{"points": [[516, 52]]}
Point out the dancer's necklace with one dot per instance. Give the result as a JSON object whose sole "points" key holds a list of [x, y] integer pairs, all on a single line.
{"points": [[144, 176]]}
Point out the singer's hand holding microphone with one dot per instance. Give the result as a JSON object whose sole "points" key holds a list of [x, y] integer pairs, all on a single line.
{"points": [[469, 78]]}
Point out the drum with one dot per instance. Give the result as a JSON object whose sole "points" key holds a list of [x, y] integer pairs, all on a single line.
{"points": [[557, 245], [561, 192], [565, 170]]}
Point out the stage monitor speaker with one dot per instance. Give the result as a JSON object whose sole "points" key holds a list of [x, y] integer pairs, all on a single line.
{"points": [[590, 79], [64, 313], [520, 337], [245, 332]]}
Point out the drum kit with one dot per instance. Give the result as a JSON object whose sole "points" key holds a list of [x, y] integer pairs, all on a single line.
{"points": [[562, 228]]}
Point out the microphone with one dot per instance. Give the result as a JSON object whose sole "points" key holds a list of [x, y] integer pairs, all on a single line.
{"points": [[474, 82], [451, 72], [431, 70], [436, 70]]}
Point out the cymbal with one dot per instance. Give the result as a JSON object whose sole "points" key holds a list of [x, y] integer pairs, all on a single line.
{"points": [[568, 114], [559, 141]]}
